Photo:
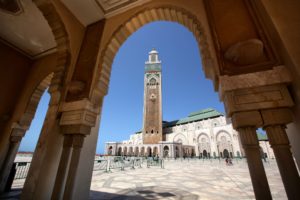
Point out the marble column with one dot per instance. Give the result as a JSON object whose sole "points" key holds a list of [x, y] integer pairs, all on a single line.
{"points": [[246, 123], [62, 168], [73, 167], [9, 160], [257, 172], [275, 121], [41, 176]]}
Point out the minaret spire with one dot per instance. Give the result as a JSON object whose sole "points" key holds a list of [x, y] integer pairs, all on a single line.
{"points": [[152, 128]]}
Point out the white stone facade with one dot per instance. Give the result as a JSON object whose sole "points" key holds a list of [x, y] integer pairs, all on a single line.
{"points": [[213, 137]]}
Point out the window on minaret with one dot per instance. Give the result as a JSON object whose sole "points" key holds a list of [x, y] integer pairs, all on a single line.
{"points": [[152, 81], [153, 58]]}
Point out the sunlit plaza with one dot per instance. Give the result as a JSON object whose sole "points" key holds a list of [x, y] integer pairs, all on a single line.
{"points": [[184, 179], [176, 179], [149, 99]]}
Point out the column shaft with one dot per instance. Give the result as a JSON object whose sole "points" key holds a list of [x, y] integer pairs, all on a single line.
{"points": [[257, 172], [8, 162], [281, 147], [62, 168], [70, 184]]}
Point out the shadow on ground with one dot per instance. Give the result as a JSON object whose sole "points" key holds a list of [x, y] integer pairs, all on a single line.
{"points": [[11, 195], [144, 193]]}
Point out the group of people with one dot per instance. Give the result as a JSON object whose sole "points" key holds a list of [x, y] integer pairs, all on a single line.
{"points": [[228, 161]]}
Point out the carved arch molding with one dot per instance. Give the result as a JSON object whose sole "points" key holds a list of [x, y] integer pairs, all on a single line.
{"points": [[61, 37], [162, 13]]}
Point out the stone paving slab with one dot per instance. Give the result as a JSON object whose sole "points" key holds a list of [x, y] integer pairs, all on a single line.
{"points": [[184, 179]]}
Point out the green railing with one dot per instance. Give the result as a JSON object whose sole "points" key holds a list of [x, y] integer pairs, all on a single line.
{"points": [[155, 162]]}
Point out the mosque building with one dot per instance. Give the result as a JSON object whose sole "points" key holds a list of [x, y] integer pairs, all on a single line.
{"points": [[206, 133]]}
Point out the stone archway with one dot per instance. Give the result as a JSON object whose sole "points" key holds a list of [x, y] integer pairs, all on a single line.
{"points": [[225, 153], [143, 17], [166, 152], [19, 129], [120, 151], [61, 37], [149, 151], [110, 150]]}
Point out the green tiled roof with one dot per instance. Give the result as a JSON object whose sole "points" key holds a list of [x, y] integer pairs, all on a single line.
{"points": [[262, 136], [196, 116]]}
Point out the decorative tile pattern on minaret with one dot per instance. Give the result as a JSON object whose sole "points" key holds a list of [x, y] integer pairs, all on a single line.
{"points": [[152, 128]]}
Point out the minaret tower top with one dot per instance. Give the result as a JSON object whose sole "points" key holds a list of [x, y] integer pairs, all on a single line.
{"points": [[153, 57], [152, 127]]}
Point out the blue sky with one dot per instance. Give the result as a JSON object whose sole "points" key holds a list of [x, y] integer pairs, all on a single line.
{"points": [[184, 87]]}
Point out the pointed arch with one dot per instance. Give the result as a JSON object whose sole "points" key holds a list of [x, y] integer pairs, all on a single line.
{"points": [[180, 137], [203, 135]]}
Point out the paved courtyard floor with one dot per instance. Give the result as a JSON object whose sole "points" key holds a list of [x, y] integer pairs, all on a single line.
{"points": [[196, 179], [180, 179]]}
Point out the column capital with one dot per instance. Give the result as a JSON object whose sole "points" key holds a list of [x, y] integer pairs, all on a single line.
{"points": [[280, 116], [257, 98], [80, 114], [246, 119], [76, 129], [277, 75]]}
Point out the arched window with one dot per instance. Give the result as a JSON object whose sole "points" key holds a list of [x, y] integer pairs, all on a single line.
{"points": [[152, 81]]}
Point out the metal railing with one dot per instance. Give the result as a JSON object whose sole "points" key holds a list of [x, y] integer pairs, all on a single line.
{"points": [[155, 162], [22, 169]]}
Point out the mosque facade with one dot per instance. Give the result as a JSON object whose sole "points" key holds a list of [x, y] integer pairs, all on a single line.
{"points": [[205, 134]]}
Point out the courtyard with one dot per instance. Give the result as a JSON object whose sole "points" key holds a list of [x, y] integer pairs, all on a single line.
{"points": [[184, 179], [188, 179]]}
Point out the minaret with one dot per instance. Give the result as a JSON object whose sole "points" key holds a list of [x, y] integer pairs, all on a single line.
{"points": [[152, 128]]}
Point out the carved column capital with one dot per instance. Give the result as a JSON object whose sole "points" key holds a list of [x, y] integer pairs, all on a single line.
{"points": [[279, 116], [246, 119], [257, 98], [275, 76]]}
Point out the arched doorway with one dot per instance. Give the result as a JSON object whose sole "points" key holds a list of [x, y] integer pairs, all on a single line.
{"points": [[166, 151], [225, 153], [177, 152], [205, 154], [119, 151], [149, 152], [109, 151]]}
